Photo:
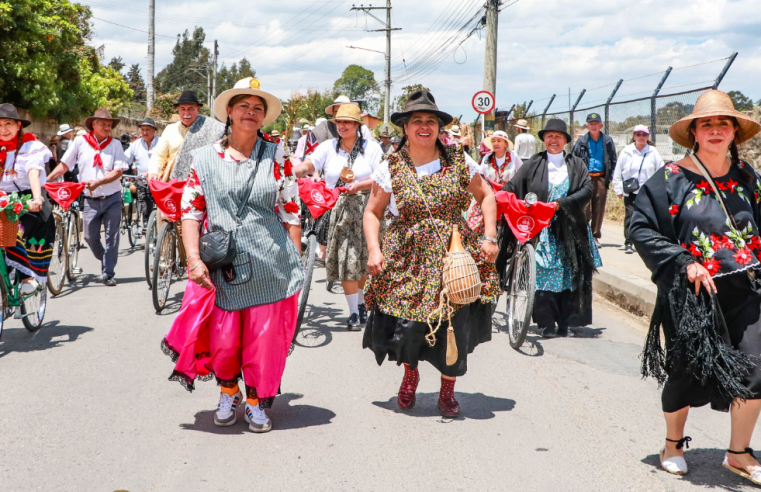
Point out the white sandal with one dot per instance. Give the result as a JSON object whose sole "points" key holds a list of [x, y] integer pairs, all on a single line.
{"points": [[754, 476], [676, 464]]}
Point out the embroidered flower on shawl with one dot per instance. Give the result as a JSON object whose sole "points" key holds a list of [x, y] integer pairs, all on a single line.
{"points": [[694, 251], [704, 186], [671, 168], [732, 184], [723, 186], [755, 243], [713, 266], [674, 210], [722, 242], [743, 256]]}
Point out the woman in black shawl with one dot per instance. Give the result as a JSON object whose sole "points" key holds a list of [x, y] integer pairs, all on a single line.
{"points": [[566, 255], [703, 251]]}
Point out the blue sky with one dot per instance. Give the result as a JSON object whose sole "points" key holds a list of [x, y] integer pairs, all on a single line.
{"points": [[545, 46]]}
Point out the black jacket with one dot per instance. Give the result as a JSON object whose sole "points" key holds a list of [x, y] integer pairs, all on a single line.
{"points": [[569, 226], [581, 150]]}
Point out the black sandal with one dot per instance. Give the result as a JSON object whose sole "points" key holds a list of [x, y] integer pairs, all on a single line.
{"points": [[683, 442], [754, 476]]}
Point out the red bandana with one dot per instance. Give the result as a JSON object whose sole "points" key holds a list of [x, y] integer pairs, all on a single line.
{"points": [[90, 139], [12, 145]]}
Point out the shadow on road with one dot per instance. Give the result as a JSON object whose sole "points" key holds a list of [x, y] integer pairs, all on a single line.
{"points": [[319, 324], [476, 406], [284, 415], [705, 470], [51, 335]]}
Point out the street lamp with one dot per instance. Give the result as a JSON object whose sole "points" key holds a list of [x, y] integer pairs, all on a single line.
{"points": [[388, 83]]}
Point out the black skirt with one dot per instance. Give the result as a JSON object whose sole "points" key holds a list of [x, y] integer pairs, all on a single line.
{"points": [[321, 228], [403, 341], [741, 307]]}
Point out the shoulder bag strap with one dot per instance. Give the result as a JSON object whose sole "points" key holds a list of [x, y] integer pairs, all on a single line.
{"points": [[413, 176], [251, 180], [642, 164], [716, 190]]}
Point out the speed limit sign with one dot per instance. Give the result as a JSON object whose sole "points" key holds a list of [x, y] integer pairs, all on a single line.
{"points": [[483, 102]]}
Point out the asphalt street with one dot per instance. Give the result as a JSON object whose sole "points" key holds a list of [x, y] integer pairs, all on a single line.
{"points": [[85, 405]]}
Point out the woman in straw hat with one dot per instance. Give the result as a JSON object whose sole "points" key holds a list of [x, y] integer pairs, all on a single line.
{"points": [[695, 224], [347, 161], [251, 323], [427, 186], [23, 159]]}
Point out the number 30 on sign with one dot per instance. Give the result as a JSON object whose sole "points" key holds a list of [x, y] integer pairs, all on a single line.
{"points": [[483, 102]]}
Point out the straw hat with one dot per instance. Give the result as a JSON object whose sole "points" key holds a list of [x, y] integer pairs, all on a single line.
{"points": [[488, 143], [349, 112], [455, 130], [252, 87], [522, 124], [714, 103]]}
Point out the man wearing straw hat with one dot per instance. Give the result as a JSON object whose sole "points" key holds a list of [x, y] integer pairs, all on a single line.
{"points": [[101, 162], [525, 143]]}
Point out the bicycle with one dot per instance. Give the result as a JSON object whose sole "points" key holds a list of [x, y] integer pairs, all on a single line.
{"points": [[518, 279], [168, 256], [133, 228], [151, 235], [63, 265]]}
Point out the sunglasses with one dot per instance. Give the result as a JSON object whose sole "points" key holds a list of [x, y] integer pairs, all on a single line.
{"points": [[640, 134]]}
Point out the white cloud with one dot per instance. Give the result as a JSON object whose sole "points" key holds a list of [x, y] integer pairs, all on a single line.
{"points": [[545, 46]]}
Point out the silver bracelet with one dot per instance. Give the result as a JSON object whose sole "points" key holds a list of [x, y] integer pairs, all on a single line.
{"points": [[194, 266], [490, 239]]}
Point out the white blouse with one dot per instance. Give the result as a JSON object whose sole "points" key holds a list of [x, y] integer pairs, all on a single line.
{"points": [[557, 168], [326, 159], [628, 166], [32, 155], [382, 176]]}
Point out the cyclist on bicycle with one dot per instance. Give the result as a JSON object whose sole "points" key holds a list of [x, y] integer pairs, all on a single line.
{"points": [[24, 158], [139, 155]]}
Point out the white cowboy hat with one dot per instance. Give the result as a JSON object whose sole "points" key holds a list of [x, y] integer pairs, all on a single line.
{"points": [[522, 124], [64, 129], [339, 101], [252, 87], [455, 130]]}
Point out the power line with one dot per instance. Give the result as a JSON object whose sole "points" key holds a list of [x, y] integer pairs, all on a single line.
{"points": [[128, 27]]}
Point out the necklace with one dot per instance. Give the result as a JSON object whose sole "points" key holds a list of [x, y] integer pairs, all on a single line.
{"points": [[232, 144]]}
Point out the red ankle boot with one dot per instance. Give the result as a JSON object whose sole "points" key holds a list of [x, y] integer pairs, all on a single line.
{"points": [[447, 404], [406, 397]]}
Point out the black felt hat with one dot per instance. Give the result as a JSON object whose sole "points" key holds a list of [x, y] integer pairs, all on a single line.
{"points": [[555, 125], [188, 97], [149, 122], [9, 112], [421, 102]]}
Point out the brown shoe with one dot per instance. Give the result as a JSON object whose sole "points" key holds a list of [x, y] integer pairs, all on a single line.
{"points": [[406, 397], [447, 404]]}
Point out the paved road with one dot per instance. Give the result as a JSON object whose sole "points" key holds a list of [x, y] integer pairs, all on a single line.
{"points": [[86, 406]]}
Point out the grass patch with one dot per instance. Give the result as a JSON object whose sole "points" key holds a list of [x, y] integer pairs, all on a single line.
{"points": [[614, 207]]}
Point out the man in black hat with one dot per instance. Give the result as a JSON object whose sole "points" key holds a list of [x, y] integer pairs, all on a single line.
{"points": [[171, 159], [598, 151], [138, 157]]}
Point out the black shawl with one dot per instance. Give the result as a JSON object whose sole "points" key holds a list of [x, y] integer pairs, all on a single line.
{"points": [[569, 227], [695, 330]]}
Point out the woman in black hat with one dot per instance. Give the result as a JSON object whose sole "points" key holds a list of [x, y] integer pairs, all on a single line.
{"points": [[428, 187], [566, 254], [23, 158]]}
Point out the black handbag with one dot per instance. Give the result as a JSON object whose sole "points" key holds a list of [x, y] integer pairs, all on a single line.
{"points": [[217, 248], [631, 185]]}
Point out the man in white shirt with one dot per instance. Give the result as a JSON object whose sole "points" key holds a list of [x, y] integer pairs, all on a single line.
{"points": [[525, 143], [101, 162], [139, 154]]}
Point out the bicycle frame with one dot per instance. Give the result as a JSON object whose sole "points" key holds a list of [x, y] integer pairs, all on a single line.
{"points": [[11, 288]]}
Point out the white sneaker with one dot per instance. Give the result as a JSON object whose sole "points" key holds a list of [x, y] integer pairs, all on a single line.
{"points": [[257, 419], [29, 287], [225, 414]]}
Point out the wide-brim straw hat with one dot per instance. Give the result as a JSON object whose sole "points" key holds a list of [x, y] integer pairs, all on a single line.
{"points": [[522, 124], [714, 103], [251, 87], [9, 112], [421, 102], [101, 114], [330, 110], [488, 142], [349, 112]]}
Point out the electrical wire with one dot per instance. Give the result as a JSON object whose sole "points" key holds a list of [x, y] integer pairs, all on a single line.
{"points": [[127, 27]]}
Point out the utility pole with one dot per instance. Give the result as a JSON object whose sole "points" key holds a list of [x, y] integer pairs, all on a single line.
{"points": [[490, 58], [151, 52], [214, 76], [387, 29]]}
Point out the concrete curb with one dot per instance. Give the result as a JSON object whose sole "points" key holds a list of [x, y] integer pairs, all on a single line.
{"points": [[631, 292]]}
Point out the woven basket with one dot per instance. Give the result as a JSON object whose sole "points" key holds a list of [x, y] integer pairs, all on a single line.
{"points": [[8, 231]]}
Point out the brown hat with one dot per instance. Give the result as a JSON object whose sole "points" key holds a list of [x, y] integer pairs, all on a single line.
{"points": [[101, 114], [713, 103], [349, 112]]}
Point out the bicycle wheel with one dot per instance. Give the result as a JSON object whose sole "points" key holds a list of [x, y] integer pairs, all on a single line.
{"points": [[72, 247], [307, 261], [33, 308], [137, 224], [57, 269], [151, 235], [128, 225], [4, 310], [520, 297], [163, 266]]}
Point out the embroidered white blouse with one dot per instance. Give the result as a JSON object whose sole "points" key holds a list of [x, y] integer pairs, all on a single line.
{"points": [[32, 155]]}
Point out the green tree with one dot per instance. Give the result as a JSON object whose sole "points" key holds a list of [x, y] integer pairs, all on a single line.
{"points": [[407, 91], [116, 63], [358, 83], [187, 71], [135, 81], [46, 66], [741, 101], [227, 77]]}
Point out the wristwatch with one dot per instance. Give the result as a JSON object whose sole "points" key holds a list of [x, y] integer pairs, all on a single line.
{"points": [[492, 239]]}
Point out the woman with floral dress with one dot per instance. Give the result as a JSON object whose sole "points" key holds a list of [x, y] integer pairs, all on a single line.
{"points": [[703, 250], [427, 186], [249, 329], [566, 255]]}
